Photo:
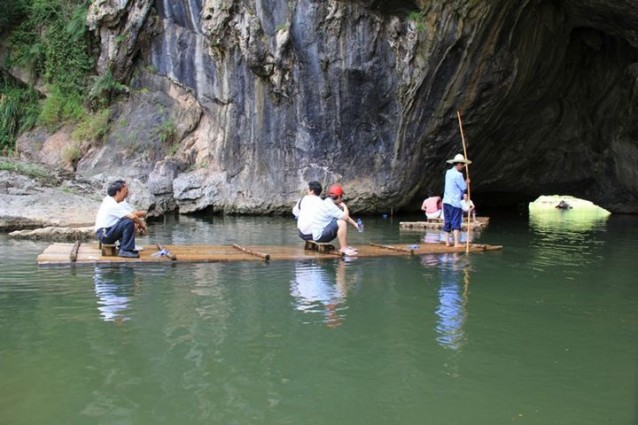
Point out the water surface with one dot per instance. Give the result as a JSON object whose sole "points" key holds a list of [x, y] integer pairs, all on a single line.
{"points": [[544, 332]]}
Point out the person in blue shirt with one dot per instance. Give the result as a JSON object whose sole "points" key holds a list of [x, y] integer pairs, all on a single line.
{"points": [[455, 186]]}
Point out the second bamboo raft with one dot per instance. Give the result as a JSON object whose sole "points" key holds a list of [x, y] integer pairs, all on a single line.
{"points": [[481, 223]]}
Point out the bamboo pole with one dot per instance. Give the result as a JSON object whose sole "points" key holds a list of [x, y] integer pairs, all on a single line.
{"points": [[467, 171], [393, 248], [74, 251], [265, 256]]}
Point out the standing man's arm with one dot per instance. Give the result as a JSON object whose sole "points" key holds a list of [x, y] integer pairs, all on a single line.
{"points": [[461, 182]]}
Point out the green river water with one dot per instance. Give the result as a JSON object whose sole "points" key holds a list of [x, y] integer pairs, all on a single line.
{"points": [[543, 332]]}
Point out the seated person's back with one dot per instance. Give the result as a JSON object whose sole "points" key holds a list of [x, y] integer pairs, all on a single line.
{"points": [[432, 207], [306, 208]]}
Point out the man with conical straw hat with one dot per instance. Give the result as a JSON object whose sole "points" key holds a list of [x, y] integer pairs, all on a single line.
{"points": [[455, 185]]}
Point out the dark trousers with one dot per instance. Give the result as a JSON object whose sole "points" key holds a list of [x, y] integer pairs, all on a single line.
{"points": [[453, 218], [303, 236], [329, 232], [123, 231]]}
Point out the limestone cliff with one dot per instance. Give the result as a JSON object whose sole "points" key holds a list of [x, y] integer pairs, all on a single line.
{"points": [[268, 94]]}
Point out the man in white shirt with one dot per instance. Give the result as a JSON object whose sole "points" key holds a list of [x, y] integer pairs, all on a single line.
{"points": [[331, 220], [305, 210], [114, 221]]}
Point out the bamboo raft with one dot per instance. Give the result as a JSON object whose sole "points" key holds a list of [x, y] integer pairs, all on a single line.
{"points": [[90, 253], [437, 224]]}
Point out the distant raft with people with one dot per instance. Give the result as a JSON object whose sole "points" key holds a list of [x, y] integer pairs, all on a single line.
{"points": [[566, 203], [437, 224], [559, 213]]}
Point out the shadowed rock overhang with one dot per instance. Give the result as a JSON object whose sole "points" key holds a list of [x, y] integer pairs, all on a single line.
{"points": [[366, 93]]}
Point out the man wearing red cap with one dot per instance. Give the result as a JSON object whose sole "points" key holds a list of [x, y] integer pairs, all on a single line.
{"points": [[331, 220]]}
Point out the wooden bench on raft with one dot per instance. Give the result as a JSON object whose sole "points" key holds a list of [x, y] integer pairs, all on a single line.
{"points": [[319, 247], [108, 249]]}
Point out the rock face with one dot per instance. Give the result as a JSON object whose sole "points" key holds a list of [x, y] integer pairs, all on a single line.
{"points": [[279, 92], [56, 233], [143, 130], [65, 211], [26, 204]]}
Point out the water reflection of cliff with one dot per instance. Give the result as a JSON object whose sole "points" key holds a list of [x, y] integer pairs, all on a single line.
{"points": [[114, 288], [320, 291], [221, 230], [173, 337], [453, 298]]}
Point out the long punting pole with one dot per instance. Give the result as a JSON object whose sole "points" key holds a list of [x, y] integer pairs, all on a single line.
{"points": [[467, 174]]}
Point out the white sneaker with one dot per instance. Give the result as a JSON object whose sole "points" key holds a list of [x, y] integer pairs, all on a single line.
{"points": [[139, 248], [348, 252]]}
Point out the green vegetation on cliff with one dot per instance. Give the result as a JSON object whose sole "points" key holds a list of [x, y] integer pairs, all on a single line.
{"points": [[19, 111], [52, 43], [49, 41], [11, 11]]}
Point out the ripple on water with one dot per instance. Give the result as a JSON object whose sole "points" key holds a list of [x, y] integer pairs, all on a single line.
{"points": [[17, 262]]}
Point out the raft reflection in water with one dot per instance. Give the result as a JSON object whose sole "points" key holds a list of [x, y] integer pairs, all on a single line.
{"points": [[437, 236], [321, 289], [114, 288]]}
